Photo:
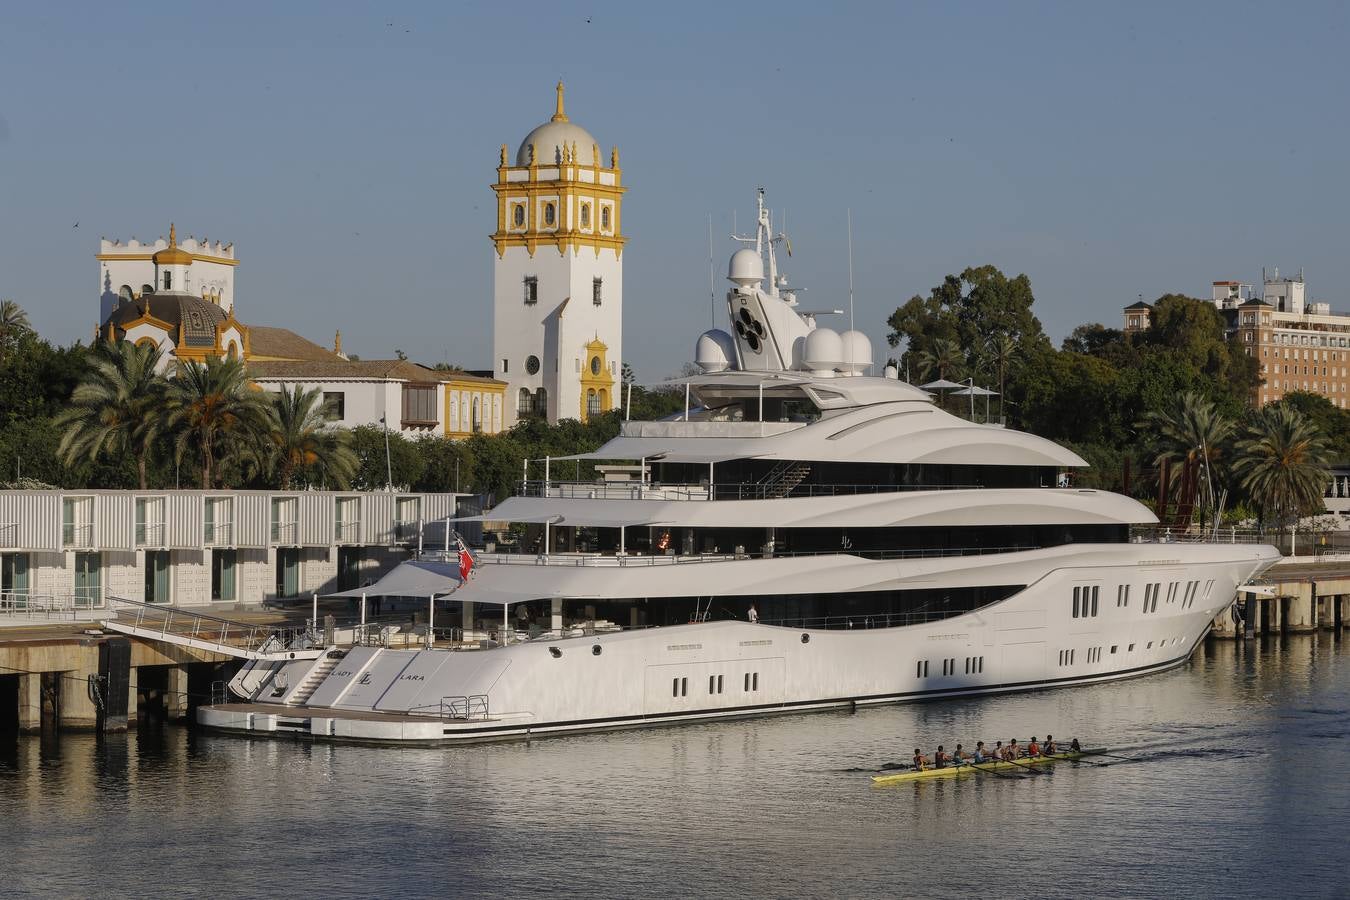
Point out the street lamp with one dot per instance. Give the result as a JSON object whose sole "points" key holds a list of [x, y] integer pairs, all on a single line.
{"points": [[388, 466]]}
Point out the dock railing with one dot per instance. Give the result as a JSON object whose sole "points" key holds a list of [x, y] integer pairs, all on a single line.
{"points": [[196, 629], [23, 605]]}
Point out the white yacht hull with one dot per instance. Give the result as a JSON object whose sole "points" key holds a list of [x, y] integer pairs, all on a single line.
{"points": [[735, 668]]}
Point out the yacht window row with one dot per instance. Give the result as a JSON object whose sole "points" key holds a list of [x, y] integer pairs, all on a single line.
{"points": [[750, 478], [1085, 601]]}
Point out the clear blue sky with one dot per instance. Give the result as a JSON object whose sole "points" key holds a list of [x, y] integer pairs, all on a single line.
{"points": [[1105, 151]]}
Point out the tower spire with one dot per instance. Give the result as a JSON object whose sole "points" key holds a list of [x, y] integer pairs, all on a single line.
{"points": [[173, 236], [559, 115]]}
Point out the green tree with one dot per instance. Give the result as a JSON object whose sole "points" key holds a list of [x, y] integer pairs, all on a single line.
{"points": [[405, 464], [447, 465], [117, 409], [942, 357], [1191, 430], [14, 326], [1283, 464], [217, 415], [301, 443]]}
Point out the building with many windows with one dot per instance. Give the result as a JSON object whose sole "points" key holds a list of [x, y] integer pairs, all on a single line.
{"points": [[558, 275], [1300, 345], [74, 549]]}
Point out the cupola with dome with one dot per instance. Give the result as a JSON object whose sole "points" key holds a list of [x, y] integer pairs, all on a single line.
{"points": [[558, 273]]}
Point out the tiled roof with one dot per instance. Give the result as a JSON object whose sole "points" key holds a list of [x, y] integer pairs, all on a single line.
{"points": [[272, 344], [339, 369]]}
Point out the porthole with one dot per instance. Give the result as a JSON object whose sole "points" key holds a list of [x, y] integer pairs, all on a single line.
{"points": [[806, 638], [532, 365], [759, 329], [555, 652], [745, 316], [595, 650]]}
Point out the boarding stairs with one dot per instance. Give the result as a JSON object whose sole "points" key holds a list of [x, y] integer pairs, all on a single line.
{"points": [[199, 631], [783, 479], [306, 688]]}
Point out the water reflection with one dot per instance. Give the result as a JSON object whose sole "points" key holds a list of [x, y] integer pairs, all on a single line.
{"points": [[1238, 787]]}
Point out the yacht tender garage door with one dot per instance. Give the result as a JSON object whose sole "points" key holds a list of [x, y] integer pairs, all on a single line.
{"points": [[695, 686]]}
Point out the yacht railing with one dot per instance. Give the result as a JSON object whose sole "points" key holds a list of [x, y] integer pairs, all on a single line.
{"points": [[1161, 535], [635, 490], [598, 560]]}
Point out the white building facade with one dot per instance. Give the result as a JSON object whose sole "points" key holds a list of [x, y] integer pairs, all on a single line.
{"points": [[73, 550], [558, 274]]}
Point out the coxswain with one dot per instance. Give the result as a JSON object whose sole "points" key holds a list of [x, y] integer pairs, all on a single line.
{"points": [[981, 754], [940, 759], [1033, 749], [920, 761], [1075, 747], [1049, 748]]}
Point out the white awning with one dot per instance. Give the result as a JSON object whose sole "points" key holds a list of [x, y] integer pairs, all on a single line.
{"points": [[417, 578]]}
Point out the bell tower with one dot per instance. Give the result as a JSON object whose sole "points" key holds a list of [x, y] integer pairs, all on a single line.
{"points": [[558, 273]]}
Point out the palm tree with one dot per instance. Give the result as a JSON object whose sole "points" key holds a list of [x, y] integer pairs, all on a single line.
{"points": [[1191, 431], [116, 408], [214, 408], [13, 324], [1283, 463], [943, 355], [300, 440]]}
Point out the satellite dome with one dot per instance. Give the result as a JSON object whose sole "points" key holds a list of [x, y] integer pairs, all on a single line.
{"points": [[892, 373], [746, 268], [857, 352], [715, 351], [824, 351]]}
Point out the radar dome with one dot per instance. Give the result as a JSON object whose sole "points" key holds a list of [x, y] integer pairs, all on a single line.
{"points": [[857, 352], [824, 351], [746, 268], [892, 373], [715, 351]]}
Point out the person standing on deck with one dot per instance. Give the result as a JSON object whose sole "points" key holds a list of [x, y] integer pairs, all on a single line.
{"points": [[753, 615]]}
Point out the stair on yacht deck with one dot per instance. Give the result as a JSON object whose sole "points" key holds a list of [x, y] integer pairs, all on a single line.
{"points": [[316, 675], [784, 481]]}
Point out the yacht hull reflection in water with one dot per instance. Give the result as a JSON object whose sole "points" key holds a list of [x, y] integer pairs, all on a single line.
{"points": [[802, 535]]}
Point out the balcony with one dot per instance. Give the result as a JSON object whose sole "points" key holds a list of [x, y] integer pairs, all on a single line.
{"points": [[77, 535], [219, 534], [149, 534], [347, 532], [285, 533]]}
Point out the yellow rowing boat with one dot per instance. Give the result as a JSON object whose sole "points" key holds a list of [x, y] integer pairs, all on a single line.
{"points": [[1027, 763]]}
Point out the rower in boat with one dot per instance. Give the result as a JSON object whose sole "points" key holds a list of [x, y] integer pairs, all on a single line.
{"points": [[921, 762], [981, 754], [1014, 752], [940, 759], [1033, 749], [960, 757], [1000, 752], [1075, 747], [1050, 748]]}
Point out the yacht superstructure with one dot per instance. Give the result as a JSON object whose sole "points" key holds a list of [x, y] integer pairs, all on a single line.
{"points": [[803, 535]]}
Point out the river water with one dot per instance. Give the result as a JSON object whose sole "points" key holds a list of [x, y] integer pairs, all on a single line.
{"points": [[1239, 786]]}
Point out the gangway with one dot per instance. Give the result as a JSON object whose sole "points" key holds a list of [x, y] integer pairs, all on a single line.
{"points": [[186, 628]]}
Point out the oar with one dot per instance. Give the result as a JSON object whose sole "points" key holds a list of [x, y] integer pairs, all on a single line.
{"points": [[993, 772], [1027, 767]]}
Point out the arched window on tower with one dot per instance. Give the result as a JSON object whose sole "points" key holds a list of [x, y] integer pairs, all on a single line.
{"points": [[604, 218], [477, 415], [525, 404], [550, 213], [541, 401], [585, 215], [592, 403], [147, 289], [168, 281]]}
